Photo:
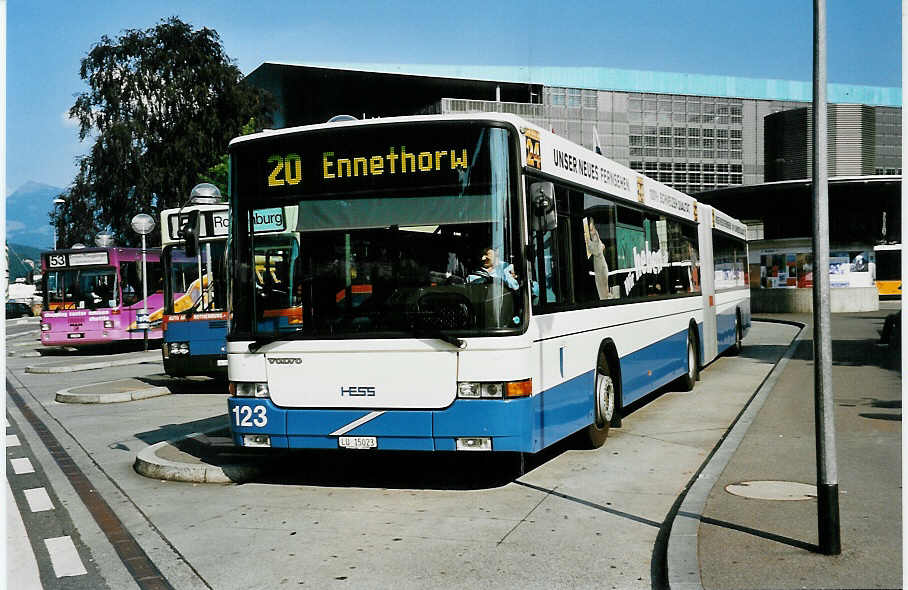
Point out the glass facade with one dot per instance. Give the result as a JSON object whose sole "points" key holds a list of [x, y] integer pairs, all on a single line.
{"points": [[693, 143]]}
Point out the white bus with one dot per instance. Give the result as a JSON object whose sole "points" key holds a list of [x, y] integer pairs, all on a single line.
{"points": [[464, 282]]}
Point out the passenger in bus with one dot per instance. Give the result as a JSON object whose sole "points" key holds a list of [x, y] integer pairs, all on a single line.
{"points": [[490, 267]]}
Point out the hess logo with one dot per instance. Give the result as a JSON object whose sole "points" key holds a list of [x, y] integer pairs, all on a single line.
{"points": [[285, 361], [358, 391]]}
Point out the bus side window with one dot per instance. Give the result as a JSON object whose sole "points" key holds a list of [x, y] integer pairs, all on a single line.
{"points": [[553, 257]]}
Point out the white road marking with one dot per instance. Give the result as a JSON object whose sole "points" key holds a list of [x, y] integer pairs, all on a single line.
{"points": [[64, 557], [21, 565], [38, 500], [355, 423], [21, 466], [12, 440]]}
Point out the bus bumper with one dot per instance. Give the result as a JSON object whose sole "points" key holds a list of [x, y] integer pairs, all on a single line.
{"points": [[212, 365], [509, 424]]}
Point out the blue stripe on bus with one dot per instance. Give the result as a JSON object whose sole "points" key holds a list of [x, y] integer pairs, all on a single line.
{"points": [[526, 424], [648, 369]]}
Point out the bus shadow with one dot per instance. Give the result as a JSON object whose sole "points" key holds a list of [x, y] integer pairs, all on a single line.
{"points": [[93, 350], [174, 432], [404, 469], [187, 385]]}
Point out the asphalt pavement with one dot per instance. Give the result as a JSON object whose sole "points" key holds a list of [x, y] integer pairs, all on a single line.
{"points": [[726, 531], [746, 540]]}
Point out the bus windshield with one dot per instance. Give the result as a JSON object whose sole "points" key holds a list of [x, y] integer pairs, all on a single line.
{"points": [[187, 293], [82, 288], [429, 248]]}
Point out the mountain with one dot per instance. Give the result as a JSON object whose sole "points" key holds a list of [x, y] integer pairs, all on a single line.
{"points": [[27, 210], [18, 254]]}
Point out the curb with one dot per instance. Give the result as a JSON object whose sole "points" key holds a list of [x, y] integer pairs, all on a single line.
{"points": [[150, 464], [683, 561], [51, 369], [65, 396]]}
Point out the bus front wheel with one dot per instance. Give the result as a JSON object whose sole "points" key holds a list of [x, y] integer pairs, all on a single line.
{"points": [[604, 406]]}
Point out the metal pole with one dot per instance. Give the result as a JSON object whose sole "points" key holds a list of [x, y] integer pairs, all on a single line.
{"points": [[145, 291], [827, 472]]}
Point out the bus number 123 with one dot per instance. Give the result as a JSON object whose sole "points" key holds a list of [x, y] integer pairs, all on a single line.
{"points": [[243, 415]]}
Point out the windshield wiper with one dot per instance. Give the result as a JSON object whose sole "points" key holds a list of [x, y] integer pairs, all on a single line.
{"points": [[254, 346], [439, 335], [419, 333]]}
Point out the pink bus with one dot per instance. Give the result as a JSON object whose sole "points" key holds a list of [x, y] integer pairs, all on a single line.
{"points": [[94, 295]]}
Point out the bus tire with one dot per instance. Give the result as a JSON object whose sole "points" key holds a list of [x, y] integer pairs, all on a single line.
{"points": [[604, 405], [693, 368], [738, 346]]}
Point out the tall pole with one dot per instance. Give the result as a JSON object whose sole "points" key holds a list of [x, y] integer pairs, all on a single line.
{"points": [[827, 472], [145, 292]]}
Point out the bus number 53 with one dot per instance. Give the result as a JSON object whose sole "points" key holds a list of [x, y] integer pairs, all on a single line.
{"points": [[247, 416]]}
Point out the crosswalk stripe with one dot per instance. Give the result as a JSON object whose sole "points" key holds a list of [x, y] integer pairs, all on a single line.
{"points": [[21, 466], [12, 440], [64, 557], [38, 500]]}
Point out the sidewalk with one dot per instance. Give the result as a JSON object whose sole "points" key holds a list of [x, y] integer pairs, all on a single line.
{"points": [[746, 542]]}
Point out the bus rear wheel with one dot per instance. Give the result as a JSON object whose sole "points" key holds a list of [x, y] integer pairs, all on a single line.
{"points": [[604, 406], [693, 370], [738, 346]]}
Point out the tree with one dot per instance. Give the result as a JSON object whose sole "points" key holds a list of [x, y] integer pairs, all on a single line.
{"points": [[161, 107]]}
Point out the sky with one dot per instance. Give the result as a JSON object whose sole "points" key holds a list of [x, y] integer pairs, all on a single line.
{"points": [[769, 39]]}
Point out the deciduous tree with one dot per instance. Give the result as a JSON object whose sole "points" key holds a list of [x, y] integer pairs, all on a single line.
{"points": [[161, 107]]}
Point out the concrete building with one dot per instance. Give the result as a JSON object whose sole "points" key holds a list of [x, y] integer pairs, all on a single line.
{"points": [[694, 132], [863, 140]]}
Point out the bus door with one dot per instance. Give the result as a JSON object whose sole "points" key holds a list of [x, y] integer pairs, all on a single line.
{"points": [[710, 342]]}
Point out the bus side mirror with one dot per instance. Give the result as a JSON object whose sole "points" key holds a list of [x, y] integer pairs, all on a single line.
{"points": [[542, 196], [189, 232]]}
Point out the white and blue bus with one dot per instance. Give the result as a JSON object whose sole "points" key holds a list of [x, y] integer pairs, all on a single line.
{"points": [[464, 282]]}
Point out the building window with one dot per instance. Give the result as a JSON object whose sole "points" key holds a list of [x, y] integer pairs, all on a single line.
{"points": [[668, 166], [736, 168], [665, 153], [636, 151], [633, 104], [694, 166], [665, 142], [680, 166], [735, 133], [721, 132], [722, 178], [709, 178], [693, 153], [649, 141], [649, 105], [693, 142], [708, 154], [680, 142], [736, 155], [709, 143], [709, 167], [694, 178], [650, 166], [736, 179], [680, 131], [665, 130], [709, 132], [665, 177], [651, 152], [634, 140], [722, 144], [637, 165], [680, 177], [735, 144], [693, 132]]}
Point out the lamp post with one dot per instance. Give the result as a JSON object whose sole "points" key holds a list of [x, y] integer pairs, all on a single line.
{"points": [[143, 224], [57, 201]]}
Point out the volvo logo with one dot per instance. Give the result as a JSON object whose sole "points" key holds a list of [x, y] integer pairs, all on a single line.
{"points": [[285, 361]]}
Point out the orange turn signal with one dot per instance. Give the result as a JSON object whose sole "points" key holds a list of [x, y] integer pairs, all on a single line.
{"points": [[519, 388]]}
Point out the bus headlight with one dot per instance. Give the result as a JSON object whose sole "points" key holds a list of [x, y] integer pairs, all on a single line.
{"points": [[45, 327], [247, 389], [108, 323], [495, 389]]}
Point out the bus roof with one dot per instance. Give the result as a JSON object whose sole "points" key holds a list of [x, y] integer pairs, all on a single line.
{"points": [[557, 158], [213, 225]]}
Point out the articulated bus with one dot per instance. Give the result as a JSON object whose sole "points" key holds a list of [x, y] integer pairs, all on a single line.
{"points": [[464, 282], [94, 295], [888, 270], [194, 238]]}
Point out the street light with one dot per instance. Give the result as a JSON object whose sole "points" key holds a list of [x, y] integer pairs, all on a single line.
{"points": [[57, 201], [143, 224]]}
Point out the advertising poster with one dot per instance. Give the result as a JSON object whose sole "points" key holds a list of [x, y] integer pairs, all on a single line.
{"points": [[839, 269]]}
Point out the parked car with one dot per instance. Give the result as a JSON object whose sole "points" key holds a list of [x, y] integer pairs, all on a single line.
{"points": [[16, 309]]}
